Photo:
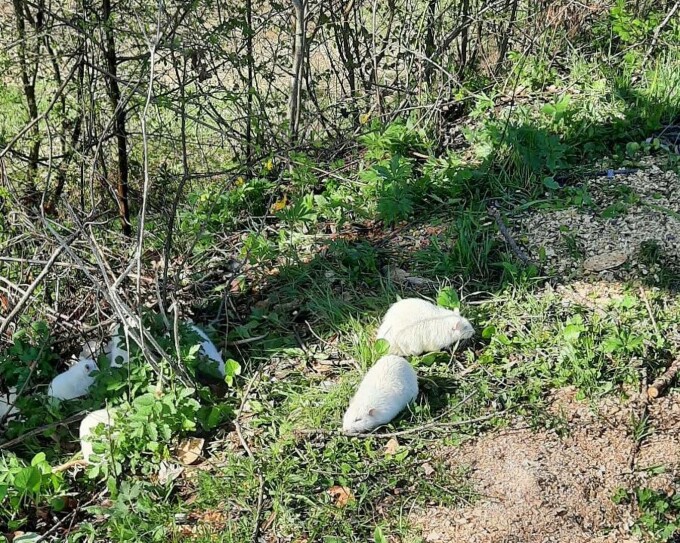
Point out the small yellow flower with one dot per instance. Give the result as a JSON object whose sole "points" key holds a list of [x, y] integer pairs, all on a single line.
{"points": [[280, 204], [269, 165], [364, 117], [240, 181]]}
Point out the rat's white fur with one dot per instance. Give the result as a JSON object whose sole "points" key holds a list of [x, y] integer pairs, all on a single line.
{"points": [[208, 349], [414, 326], [74, 382], [116, 351], [89, 423], [7, 406], [388, 387]]}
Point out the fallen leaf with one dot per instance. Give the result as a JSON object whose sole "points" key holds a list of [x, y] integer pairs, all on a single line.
{"points": [[605, 261], [168, 472], [392, 446], [279, 204], [341, 495], [427, 469], [190, 450]]}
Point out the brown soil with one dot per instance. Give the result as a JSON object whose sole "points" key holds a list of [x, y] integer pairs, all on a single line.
{"points": [[541, 486]]}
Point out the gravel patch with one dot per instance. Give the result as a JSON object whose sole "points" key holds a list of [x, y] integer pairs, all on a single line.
{"points": [[629, 213]]}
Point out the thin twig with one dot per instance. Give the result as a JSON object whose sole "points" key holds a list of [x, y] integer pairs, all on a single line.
{"points": [[657, 31], [493, 212], [41, 429], [433, 425], [36, 282], [643, 294]]}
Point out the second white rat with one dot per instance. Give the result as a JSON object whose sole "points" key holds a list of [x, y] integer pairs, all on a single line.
{"points": [[386, 389], [116, 351], [209, 349], [89, 423], [7, 406], [414, 326], [74, 382]]}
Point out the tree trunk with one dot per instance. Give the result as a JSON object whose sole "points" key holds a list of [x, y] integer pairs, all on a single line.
{"points": [[296, 78], [120, 121], [429, 38], [251, 89], [28, 82]]}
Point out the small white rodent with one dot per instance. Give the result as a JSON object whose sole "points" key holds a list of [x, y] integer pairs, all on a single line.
{"points": [[88, 424], [116, 351], [7, 403], [209, 349], [414, 326], [386, 389], [74, 382]]}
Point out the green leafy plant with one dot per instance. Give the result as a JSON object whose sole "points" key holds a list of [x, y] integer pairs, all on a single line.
{"points": [[145, 427], [390, 181], [658, 512], [25, 486]]}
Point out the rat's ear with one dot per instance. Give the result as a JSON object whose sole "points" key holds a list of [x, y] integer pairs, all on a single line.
{"points": [[371, 412], [458, 325]]}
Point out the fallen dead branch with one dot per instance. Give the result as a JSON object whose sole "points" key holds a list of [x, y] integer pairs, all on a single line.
{"points": [[662, 382], [517, 251]]}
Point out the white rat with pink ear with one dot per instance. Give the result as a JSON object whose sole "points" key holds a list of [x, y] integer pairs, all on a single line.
{"points": [[414, 326], [74, 382], [386, 389]]}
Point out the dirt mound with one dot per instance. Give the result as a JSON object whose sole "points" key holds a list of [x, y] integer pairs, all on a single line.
{"points": [[549, 486]]}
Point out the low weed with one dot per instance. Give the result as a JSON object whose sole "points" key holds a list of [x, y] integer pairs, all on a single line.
{"points": [[658, 512]]}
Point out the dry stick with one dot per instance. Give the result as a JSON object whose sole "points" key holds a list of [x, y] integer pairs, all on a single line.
{"points": [[71, 516], [643, 294], [493, 212], [41, 429], [662, 382], [147, 183], [432, 425], [121, 308], [658, 30], [69, 464], [22, 302]]}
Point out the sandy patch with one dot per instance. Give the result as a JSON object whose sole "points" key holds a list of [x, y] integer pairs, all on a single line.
{"points": [[544, 486]]}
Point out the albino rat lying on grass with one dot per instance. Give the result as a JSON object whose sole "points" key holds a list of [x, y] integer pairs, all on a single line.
{"points": [[414, 326], [388, 387], [74, 382]]}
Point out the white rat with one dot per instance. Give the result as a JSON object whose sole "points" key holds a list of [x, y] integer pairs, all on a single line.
{"points": [[7, 403], [74, 382], [386, 389], [414, 326], [116, 351], [88, 424], [208, 349]]}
